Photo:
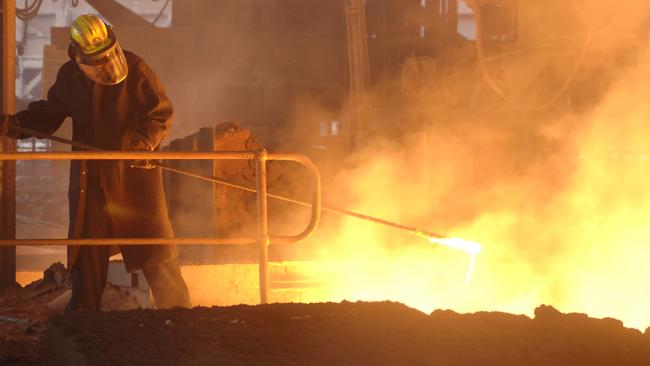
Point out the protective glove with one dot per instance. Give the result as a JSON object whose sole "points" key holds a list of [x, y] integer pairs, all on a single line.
{"points": [[8, 124], [139, 145]]}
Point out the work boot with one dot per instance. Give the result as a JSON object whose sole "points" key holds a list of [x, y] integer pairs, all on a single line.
{"points": [[76, 283], [167, 285]]}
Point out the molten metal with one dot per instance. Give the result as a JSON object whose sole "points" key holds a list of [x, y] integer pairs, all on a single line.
{"points": [[466, 246], [469, 247]]}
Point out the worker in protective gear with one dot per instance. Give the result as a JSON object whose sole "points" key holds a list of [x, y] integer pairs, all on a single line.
{"points": [[116, 103]]}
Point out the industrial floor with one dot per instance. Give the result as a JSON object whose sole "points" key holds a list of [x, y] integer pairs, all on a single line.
{"points": [[344, 333]]}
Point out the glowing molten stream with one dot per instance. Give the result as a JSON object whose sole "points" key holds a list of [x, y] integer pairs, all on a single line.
{"points": [[469, 247]]}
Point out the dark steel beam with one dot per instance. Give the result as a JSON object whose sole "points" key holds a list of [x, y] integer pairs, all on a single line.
{"points": [[8, 168]]}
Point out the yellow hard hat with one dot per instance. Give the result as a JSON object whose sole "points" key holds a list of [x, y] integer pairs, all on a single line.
{"points": [[96, 50], [90, 33]]}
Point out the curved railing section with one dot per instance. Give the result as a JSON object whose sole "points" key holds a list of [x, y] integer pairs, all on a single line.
{"points": [[263, 240]]}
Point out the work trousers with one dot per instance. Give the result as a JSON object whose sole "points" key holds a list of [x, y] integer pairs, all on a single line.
{"points": [[89, 272]]}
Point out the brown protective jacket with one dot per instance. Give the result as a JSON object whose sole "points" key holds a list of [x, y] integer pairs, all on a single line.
{"points": [[113, 118]]}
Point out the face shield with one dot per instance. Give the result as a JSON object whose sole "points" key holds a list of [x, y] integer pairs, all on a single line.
{"points": [[106, 66]]}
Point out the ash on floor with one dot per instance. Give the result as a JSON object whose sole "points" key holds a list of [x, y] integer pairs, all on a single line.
{"points": [[349, 334]]}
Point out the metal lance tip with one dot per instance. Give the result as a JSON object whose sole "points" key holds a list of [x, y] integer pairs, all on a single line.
{"points": [[469, 247]]}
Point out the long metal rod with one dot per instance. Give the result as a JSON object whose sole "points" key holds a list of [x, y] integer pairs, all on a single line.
{"points": [[340, 211]]}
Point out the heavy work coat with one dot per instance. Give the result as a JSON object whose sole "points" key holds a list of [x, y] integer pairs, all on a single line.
{"points": [[111, 117]]}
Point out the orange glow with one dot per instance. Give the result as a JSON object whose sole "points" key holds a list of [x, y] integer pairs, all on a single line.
{"points": [[579, 242], [560, 199], [570, 231]]}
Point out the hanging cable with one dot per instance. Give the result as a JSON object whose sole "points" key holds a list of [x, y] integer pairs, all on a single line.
{"points": [[28, 7], [74, 3], [162, 10], [30, 10]]}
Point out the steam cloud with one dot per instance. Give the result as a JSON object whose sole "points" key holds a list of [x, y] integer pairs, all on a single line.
{"points": [[558, 196]]}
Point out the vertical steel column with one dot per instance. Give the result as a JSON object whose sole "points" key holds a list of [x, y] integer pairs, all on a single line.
{"points": [[8, 168], [358, 67], [262, 224]]}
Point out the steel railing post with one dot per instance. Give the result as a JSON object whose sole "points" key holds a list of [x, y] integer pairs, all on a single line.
{"points": [[262, 223], [262, 239]]}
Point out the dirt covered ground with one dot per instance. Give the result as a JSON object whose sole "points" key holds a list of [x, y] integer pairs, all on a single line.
{"points": [[349, 334], [25, 312], [23, 323], [345, 333]]}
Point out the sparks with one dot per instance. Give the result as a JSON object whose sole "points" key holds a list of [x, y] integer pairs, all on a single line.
{"points": [[469, 247], [466, 246]]}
